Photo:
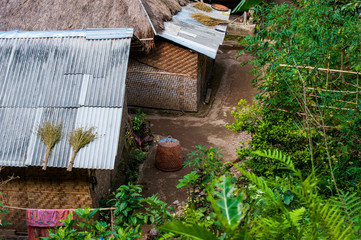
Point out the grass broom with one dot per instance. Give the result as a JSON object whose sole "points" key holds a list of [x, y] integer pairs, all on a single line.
{"points": [[202, 6], [78, 139], [207, 20], [50, 134]]}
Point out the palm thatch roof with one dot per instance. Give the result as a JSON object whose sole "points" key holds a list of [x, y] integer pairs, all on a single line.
{"points": [[40, 15], [162, 10]]}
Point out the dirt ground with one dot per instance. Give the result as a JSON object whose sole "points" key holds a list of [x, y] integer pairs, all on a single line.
{"points": [[191, 130]]}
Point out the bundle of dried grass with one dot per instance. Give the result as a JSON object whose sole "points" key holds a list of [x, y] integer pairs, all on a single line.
{"points": [[78, 139], [207, 20], [50, 134], [202, 6]]}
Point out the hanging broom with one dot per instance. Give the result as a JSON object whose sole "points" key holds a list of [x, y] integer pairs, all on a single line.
{"points": [[78, 139], [202, 6], [50, 134], [207, 20]]}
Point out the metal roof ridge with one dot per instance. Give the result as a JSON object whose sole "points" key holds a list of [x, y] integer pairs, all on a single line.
{"points": [[90, 33]]}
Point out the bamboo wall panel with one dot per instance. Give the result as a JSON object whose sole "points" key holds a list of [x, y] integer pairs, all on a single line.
{"points": [[53, 189], [172, 58]]}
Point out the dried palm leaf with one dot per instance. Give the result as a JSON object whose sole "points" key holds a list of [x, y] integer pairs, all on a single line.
{"points": [[202, 6], [207, 20]]}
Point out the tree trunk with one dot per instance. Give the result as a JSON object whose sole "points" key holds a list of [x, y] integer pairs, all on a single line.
{"points": [[47, 154], [71, 163]]}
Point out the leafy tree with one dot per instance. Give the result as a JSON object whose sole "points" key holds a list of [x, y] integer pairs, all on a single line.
{"points": [[296, 53]]}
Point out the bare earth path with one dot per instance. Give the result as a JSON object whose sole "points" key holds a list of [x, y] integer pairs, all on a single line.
{"points": [[209, 130]]}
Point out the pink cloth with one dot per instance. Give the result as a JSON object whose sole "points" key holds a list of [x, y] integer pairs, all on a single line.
{"points": [[39, 221], [46, 217], [35, 233]]}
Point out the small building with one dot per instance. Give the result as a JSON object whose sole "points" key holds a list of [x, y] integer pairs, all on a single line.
{"points": [[172, 54], [74, 77]]}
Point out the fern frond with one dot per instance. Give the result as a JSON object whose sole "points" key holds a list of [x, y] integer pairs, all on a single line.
{"points": [[296, 216], [350, 205], [167, 236], [260, 183], [277, 155], [333, 222]]}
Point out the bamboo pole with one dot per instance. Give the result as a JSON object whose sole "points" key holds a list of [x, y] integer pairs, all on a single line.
{"points": [[327, 90], [92, 209], [112, 219], [320, 69], [337, 100], [161, 73], [330, 107], [357, 91]]}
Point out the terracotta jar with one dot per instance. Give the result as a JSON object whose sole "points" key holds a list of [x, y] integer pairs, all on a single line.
{"points": [[169, 155]]}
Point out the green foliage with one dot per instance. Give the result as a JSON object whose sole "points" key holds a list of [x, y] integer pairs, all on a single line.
{"points": [[188, 180], [313, 218], [193, 231], [275, 132], [128, 202], [311, 115], [84, 227], [138, 155], [138, 121], [208, 161], [245, 5], [350, 206], [246, 117], [229, 207], [157, 211], [3, 210]]}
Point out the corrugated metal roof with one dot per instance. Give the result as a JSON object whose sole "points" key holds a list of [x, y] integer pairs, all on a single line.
{"points": [[77, 80], [91, 33], [186, 31], [34, 71]]}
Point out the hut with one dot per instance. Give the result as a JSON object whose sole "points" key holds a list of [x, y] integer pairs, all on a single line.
{"points": [[73, 77], [171, 54]]}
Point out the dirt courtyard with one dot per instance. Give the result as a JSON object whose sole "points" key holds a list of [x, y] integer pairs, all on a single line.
{"points": [[192, 130]]}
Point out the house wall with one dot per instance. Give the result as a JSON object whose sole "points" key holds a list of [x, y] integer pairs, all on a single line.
{"points": [[166, 79], [204, 74], [51, 189], [57, 188]]}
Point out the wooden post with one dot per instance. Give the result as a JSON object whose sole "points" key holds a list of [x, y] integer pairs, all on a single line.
{"points": [[357, 90], [111, 219]]}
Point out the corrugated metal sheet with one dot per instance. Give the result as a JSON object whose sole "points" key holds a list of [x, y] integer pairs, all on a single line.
{"points": [[91, 33], [49, 72], [186, 31], [72, 80]]}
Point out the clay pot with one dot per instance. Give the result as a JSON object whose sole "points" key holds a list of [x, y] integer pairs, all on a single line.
{"points": [[169, 155]]}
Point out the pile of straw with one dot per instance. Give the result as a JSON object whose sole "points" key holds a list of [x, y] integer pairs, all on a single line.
{"points": [[78, 139], [202, 6], [207, 20], [50, 134]]}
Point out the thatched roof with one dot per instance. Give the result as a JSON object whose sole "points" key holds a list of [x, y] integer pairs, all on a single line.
{"points": [[42, 15], [160, 11]]}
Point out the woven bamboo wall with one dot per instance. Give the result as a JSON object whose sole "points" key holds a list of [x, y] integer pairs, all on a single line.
{"points": [[172, 58], [165, 79], [50, 189]]}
